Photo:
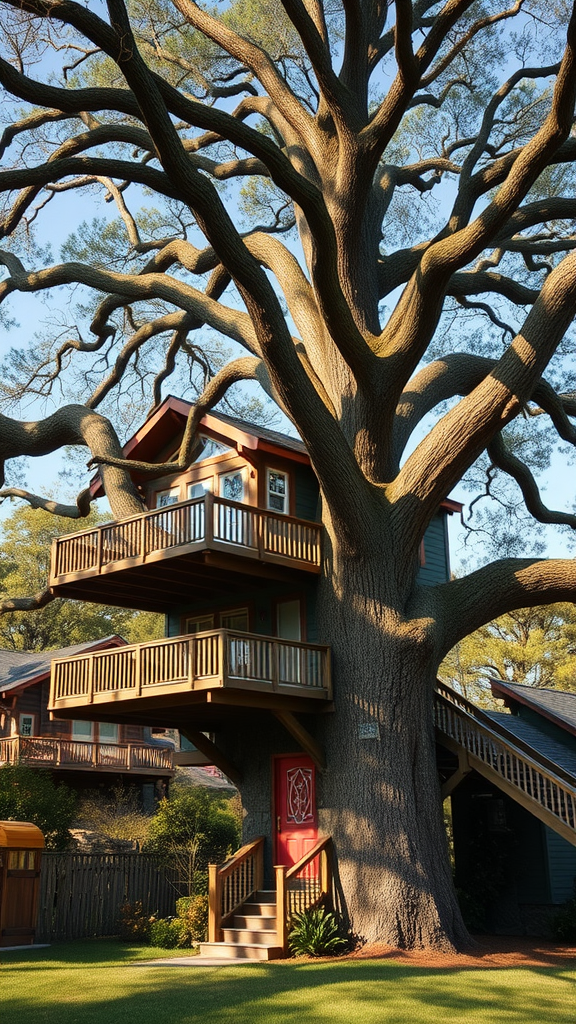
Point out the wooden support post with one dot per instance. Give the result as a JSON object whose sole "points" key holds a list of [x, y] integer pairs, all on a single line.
{"points": [[214, 904], [90, 694], [326, 872], [281, 908], [207, 747], [303, 737]]}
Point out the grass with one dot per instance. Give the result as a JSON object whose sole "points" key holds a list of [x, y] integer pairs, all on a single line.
{"points": [[101, 982]]}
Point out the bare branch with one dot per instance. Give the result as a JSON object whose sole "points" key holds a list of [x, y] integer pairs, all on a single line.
{"points": [[514, 467], [78, 511]]}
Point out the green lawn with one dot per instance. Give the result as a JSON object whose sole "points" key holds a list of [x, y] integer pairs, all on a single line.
{"points": [[98, 983]]}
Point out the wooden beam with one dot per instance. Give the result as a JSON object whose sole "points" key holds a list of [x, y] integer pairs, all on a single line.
{"points": [[303, 737], [206, 746], [456, 778]]}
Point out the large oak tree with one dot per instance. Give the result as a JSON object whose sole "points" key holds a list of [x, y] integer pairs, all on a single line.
{"points": [[335, 124]]}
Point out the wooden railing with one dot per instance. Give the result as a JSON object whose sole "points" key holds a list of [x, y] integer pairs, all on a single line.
{"points": [[203, 522], [304, 885], [538, 779], [48, 752], [219, 657], [231, 884]]}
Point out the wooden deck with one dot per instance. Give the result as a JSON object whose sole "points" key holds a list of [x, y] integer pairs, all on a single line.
{"points": [[206, 544], [77, 755], [192, 679]]}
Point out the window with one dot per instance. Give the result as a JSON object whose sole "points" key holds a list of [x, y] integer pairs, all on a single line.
{"points": [[108, 732], [277, 491], [26, 725], [169, 497], [237, 619], [82, 731], [199, 624], [211, 448], [199, 488], [232, 485], [233, 524]]}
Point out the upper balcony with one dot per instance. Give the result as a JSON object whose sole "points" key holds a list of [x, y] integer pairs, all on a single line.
{"points": [[78, 755], [195, 680], [182, 551]]}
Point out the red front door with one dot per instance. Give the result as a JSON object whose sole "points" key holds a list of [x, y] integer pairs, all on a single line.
{"points": [[295, 808]]}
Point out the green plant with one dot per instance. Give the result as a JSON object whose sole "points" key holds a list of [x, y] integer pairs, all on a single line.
{"points": [[166, 933], [29, 794], [134, 925], [192, 914], [315, 933], [563, 923]]}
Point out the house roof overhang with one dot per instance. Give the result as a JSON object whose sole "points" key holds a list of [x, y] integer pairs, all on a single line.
{"points": [[516, 693], [37, 667]]}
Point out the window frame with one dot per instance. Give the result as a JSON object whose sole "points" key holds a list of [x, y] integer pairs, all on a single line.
{"points": [[277, 472], [167, 491], [32, 717]]}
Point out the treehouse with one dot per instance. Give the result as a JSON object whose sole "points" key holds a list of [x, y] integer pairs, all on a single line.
{"points": [[230, 551]]}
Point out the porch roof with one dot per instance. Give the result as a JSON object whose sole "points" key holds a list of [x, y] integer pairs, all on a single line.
{"points": [[558, 706]]}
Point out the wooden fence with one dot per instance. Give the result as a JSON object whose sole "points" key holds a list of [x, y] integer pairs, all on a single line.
{"points": [[81, 893]]}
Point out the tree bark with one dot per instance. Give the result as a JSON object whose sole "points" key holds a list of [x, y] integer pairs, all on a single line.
{"points": [[380, 797]]}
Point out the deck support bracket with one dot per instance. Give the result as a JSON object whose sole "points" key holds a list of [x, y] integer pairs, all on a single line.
{"points": [[207, 747], [456, 778], [303, 737]]}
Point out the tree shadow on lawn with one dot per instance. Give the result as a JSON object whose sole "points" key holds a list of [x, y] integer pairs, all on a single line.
{"points": [[350, 992]]}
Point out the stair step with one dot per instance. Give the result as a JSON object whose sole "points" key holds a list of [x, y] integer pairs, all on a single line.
{"points": [[253, 909], [255, 922], [242, 951], [241, 936], [264, 896]]}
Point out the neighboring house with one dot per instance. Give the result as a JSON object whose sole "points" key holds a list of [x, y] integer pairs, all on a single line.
{"points": [[230, 550], [512, 780], [82, 753]]}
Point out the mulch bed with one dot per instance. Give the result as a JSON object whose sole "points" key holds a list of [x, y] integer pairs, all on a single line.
{"points": [[490, 951]]}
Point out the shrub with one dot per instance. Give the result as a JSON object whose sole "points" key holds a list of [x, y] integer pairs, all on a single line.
{"points": [[29, 794], [315, 933], [563, 923], [192, 914], [134, 924], [166, 932]]}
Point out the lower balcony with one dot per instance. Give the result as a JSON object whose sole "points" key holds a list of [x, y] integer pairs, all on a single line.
{"points": [[192, 680], [77, 755]]}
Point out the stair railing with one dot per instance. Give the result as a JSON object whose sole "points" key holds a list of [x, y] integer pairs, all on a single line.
{"points": [[230, 884], [531, 774], [302, 886]]}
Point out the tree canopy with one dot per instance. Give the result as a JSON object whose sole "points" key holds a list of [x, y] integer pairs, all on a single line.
{"points": [[532, 646], [373, 204], [26, 536]]}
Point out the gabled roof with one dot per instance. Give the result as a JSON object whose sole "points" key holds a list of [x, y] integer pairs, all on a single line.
{"points": [[168, 421], [558, 706], [19, 669], [159, 435]]}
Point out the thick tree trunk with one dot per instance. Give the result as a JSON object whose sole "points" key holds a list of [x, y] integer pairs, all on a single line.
{"points": [[380, 796]]}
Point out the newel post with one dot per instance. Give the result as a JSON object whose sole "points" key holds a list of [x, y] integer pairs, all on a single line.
{"points": [[214, 903], [281, 908]]}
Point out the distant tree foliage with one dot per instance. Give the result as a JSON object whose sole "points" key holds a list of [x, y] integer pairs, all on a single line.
{"points": [[27, 535], [533, 646], [29, 794]]}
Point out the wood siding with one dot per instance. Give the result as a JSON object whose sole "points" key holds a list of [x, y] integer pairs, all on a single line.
{"points": [[561, 867]]}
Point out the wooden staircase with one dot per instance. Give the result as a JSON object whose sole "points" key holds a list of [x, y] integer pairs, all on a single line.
{"points": [[251, 933], [247, 922], [541, 786]]}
